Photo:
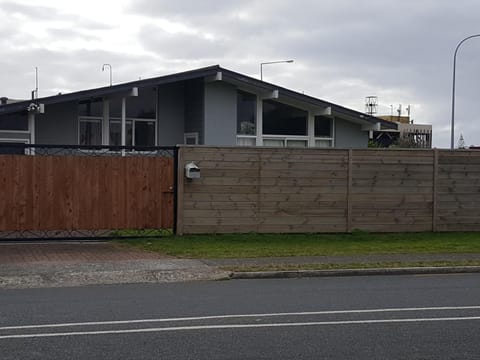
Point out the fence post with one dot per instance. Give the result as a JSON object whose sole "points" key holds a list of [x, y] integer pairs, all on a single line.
{"points": [[349, 190], [178, 208], [435, 189]]}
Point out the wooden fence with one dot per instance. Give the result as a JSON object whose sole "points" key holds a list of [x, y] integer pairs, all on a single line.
{"points": [[68, 193], [328, 190]]}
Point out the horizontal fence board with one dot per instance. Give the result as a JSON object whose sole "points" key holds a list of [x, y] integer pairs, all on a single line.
{"points": [[206, 197], [325, 206], [220, 213], [226, 181], [302, 197], [300, 220], [392, 205], [300, 181], [340, 174], [458, 227], [220, 221], [231, 173], [389, 228], [304, 211], [304, 228], [303, 190], [220, 229], [367, 198], [378, 189], [219, 205], [218, 189]]}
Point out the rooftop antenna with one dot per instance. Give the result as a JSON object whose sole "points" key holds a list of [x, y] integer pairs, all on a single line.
{"points": [[110, 67], [35, 92], [461, 142], [371, 105], [409, 111]]}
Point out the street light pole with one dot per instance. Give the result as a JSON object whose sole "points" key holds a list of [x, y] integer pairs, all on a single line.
{"points": [[271, 62], [110, 68], [452, 130]]}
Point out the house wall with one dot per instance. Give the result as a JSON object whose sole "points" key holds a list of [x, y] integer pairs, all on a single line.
{"points": [[220, 114], [349, 135], [171, 114], [58, 125], [194, 108]]}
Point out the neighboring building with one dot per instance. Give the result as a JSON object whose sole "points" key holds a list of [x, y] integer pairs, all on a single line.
{"points": [[211, 106], [407, 133]]}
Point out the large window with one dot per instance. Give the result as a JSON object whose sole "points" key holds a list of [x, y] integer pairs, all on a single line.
{"points": [[282, 119], [90, 122], [90, 131], [144, 133], [138, 132], [90, 108], [246, 113], [323, 131], [116, 133], [14, 122]]}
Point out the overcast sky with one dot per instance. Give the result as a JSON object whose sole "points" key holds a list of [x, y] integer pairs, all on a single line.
{"points": [[344, 50]]}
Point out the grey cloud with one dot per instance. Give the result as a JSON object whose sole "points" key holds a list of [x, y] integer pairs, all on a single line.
{"points": [[37, 12], [181, 46], [70, 34], [186, 8], [46, 13]]}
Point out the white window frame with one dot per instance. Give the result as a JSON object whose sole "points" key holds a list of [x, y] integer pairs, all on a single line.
{"points": [[285, 139], [190, 135], [254, 137], [98, 119], [330, 138]]}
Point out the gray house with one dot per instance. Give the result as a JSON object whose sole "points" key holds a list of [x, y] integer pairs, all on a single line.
{"points": [[210, 106]]}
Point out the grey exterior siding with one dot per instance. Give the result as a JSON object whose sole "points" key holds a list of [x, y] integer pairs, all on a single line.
{"points": [[349, 135], [220, 114], [171, 114], [59, 124]]}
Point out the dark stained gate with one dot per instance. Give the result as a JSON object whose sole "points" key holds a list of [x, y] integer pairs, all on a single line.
{"points": [[78, 192]]}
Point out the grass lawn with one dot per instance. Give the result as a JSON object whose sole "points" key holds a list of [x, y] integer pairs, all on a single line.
{"points": [[268, 245]]}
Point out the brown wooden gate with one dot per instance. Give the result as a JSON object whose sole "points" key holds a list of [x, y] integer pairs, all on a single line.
{"points": [[69, 195]]}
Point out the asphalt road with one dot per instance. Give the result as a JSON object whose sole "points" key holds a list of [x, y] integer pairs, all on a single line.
{"points": [[380, 317]]}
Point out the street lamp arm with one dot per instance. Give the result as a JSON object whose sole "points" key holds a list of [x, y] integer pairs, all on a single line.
{"points": [[271, 62], [110, 68], [452, 130], [276, 62]]}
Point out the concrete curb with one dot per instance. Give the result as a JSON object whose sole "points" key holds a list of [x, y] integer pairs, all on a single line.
{"points": [[354, 272]]}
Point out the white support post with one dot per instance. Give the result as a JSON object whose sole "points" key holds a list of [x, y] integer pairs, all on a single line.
{"points": [[31, 126], [259, 133], [311, 129], [106, 122], [124, 123]]}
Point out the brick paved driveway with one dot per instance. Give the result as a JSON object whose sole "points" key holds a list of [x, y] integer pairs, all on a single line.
{"points": [[71, 252]]}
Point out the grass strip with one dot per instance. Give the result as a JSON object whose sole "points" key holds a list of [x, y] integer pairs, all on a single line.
{"points": [[277, 245], [376, 265]]}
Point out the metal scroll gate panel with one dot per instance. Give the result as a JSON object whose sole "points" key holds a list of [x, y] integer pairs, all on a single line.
{"points": [[78, 192]]}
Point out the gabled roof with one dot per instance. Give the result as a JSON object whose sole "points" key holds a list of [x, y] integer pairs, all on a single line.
{"points": [[210, 71]]}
